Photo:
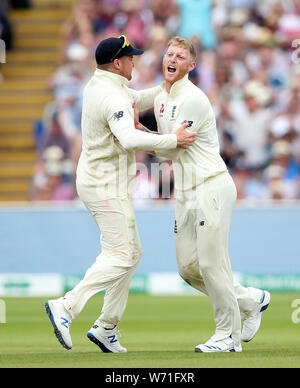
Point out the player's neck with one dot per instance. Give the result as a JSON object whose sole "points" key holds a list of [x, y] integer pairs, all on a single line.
{"points": [[170, 83], [168, 86]]}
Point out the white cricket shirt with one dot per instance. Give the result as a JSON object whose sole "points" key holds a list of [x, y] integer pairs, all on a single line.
{"points": [[186, 102], [106, 168]]}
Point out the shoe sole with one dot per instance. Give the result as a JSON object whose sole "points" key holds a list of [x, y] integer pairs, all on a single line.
{"points": [[56, 331], [267, 299], [95, 340]]}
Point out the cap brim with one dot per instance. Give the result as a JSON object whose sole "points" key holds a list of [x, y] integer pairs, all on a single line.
{"points": [[136, 51], [132, 51]]}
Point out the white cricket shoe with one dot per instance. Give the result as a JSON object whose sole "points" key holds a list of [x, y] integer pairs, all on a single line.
{"points": [[252, 324], [225, 345], [106, 339], [61, 321]]}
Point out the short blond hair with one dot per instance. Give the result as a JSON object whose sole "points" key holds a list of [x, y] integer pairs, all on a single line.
{"points": [[182, 42]]}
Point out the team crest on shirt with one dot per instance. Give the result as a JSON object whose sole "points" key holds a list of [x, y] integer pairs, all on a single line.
{"points": [[118, 115], [162, 109]]}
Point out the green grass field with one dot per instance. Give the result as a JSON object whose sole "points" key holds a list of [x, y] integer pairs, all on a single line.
{"points": [[159, 332]]}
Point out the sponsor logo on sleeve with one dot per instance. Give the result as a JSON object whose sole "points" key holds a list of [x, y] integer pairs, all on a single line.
{"points": [[118, 115]]}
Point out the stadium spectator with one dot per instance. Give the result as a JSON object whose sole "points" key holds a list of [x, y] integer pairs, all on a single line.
{"points": [[282, 155], [286, 123], [145, 187], [250, 118], [67, 85], [196, 20], [132, 21], [288, 27], [81, 27], [51, 181]]}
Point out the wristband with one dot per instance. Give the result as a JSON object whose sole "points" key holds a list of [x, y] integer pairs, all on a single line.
{"points": [[136, 123]]}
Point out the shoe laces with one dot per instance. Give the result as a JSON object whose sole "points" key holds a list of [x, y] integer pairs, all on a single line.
{"points": [[118, 333]]}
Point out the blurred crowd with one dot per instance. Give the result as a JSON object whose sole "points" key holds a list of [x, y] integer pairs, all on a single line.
{"points": [[248, 64]]}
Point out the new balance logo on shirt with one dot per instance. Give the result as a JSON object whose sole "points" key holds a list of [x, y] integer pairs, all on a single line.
{"points": [[118, 115]]}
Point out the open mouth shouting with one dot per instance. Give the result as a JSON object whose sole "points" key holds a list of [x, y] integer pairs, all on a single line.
{"points": [[171, 69]]}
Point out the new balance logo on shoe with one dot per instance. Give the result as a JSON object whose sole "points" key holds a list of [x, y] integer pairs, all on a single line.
{"points": [[64, 322], [106, 339], [213, 347], [112, 339]]}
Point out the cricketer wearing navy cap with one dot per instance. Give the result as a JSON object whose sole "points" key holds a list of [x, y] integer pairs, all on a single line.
{"points": [[114, 48], [104, 181]]}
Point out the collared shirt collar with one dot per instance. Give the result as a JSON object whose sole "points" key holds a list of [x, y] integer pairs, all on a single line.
{"points": [[118, 79], [176, 87]]}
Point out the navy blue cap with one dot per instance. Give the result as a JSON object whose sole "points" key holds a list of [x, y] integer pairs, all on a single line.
{"points": [[114, 48]]}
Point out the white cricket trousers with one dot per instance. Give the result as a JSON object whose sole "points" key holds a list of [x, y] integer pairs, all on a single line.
{"points": [[116, 264], [201, 236]]}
